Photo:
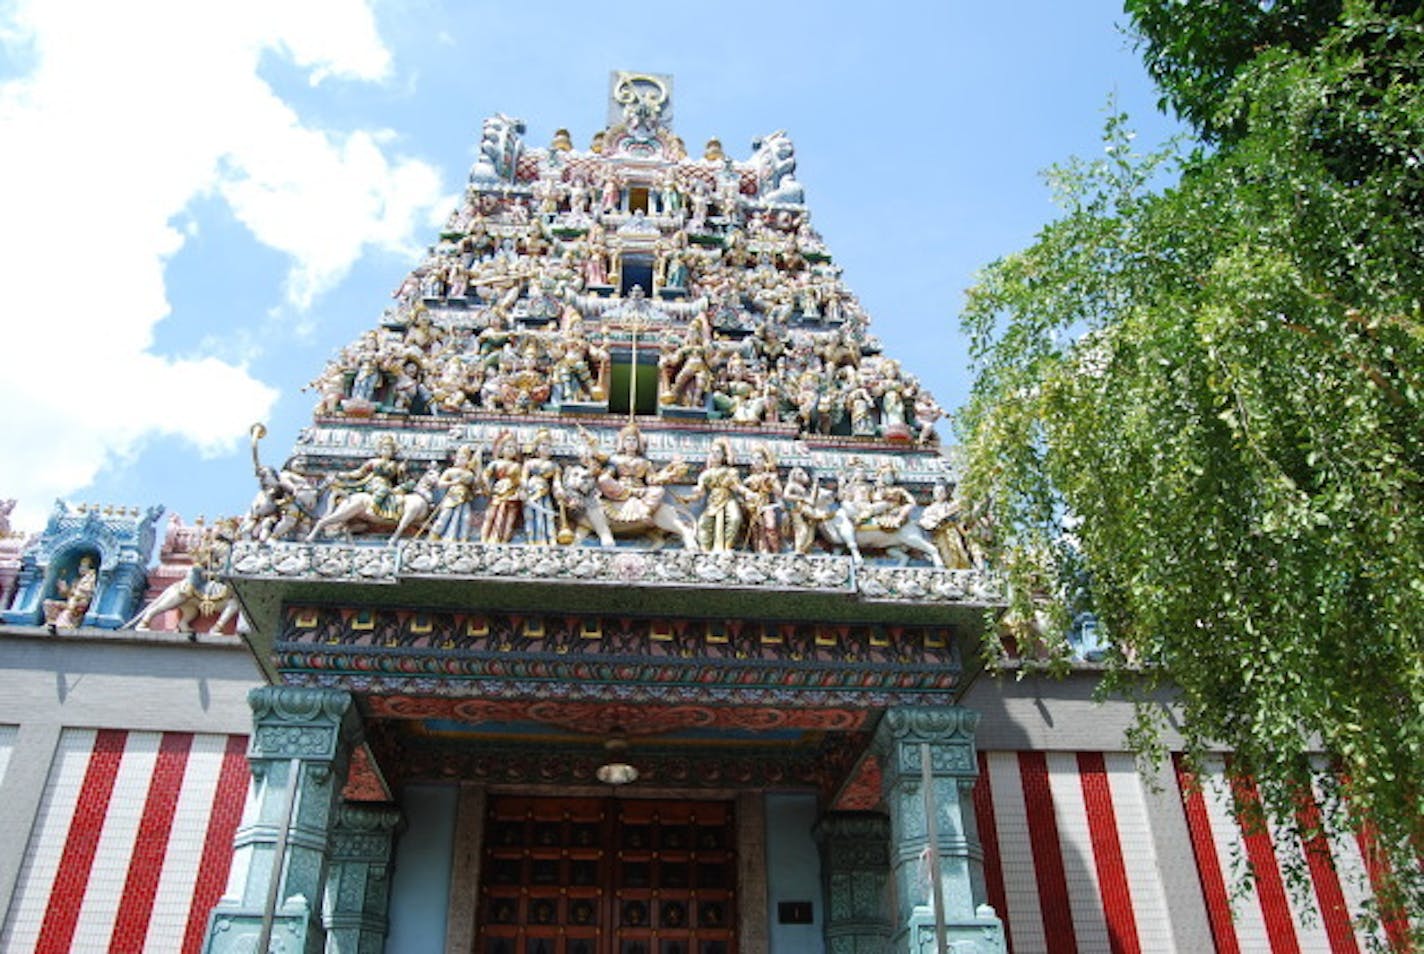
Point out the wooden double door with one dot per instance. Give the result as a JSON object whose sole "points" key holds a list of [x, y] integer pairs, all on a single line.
{"points": [[607, 876]]}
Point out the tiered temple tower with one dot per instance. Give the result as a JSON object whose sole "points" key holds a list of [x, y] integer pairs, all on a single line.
{"points": [[621, 520]]}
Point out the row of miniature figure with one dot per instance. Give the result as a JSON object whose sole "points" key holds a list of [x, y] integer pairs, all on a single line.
{"points": [[822, 382], [524, 494], [762, 270]]}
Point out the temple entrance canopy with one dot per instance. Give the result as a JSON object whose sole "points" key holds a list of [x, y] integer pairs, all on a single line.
{"points": [[622, 478]]}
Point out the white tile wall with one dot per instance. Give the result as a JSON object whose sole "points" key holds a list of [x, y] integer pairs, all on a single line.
{"points": [[37, 872]]}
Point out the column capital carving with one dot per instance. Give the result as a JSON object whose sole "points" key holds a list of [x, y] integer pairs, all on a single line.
{"points": [[272, 704], [840, 827], [937, 725], [369, 816], [364, 832], [949, 731], [291, 722]]}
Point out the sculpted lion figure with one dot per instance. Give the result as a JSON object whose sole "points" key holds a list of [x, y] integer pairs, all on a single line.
{"points": [[775, 161], [501, 145]]}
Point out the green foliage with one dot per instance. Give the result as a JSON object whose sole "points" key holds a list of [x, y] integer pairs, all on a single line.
{"points": [[1193, 50], [1224, 380]]}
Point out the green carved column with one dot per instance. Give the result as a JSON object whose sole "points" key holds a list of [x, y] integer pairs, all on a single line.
{"points": [[855, 865], [358, 884], [299, 752], [903, 740]]}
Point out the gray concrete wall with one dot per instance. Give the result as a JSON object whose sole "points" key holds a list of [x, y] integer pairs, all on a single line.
{"points": [[793, 872], [1048, 713], [420, 884]]}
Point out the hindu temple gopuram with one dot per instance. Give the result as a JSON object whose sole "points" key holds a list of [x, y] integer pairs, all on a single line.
{"points": [[618, 599]]}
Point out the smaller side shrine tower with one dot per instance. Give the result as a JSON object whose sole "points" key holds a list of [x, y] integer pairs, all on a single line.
{"points": [[88, 568], [620, 521]]}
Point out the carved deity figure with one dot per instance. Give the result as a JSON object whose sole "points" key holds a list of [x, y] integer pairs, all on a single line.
{"points": [[676, 272], [455, 518], [382, 477], [76, 594], [573, 376], [942, 521], [799, 495], [501, 145], [367, 380], [719, 527], [927, 414], [502, 478], [686, 372], [764, 502], [541, 488], [407, 386], [611, 195], [775, 161], [628, 480], [890, 504]]}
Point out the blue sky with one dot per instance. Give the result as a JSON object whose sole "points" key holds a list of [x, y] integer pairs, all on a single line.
{"points": [[212, 198]]}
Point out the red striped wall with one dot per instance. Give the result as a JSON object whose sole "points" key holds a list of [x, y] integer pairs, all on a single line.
{"points": [[1070, 862], [132, 843], [134, 838]]}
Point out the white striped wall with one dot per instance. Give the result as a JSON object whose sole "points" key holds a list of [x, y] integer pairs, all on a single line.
{"points": [[79, 867], [174, 900], [1262, 922], [1085, 898], [1154, 921], [1023, 918], [136, 870], [38, 870]]}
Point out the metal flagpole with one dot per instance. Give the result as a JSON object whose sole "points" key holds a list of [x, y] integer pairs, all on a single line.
{"points": [[932, 832]]}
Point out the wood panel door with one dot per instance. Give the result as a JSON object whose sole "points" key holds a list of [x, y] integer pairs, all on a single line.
{"points": [[607, 876]]}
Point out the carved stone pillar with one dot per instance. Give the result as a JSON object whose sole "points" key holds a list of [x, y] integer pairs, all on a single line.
{"points": [[358, 884], [855, 864], [299, 751], [946, 736]]}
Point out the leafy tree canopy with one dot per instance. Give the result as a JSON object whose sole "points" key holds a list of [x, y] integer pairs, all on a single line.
{"points": [[1222, 381]]}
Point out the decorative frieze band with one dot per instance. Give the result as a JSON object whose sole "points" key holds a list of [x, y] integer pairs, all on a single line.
{"points": [[782, 572]]}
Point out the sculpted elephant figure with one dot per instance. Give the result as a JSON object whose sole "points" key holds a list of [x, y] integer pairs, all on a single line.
{"points": [[193, 596]]}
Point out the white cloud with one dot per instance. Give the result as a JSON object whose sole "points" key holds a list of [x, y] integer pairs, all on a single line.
{"points": [[127, 113]]}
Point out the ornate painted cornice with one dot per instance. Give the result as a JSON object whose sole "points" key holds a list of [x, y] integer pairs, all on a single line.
{"points": [[604, 718], [783, 572], [572, 658]]}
